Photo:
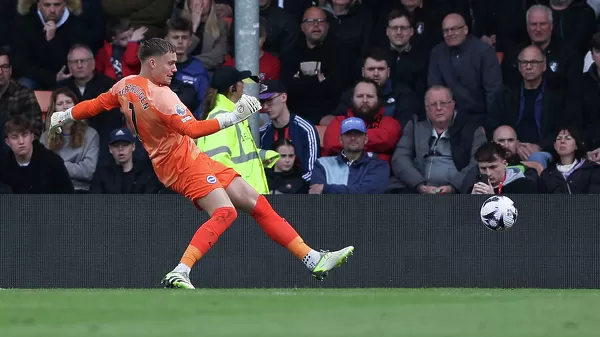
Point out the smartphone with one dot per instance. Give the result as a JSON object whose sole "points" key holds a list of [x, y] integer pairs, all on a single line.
{"points": [[482, 177]]}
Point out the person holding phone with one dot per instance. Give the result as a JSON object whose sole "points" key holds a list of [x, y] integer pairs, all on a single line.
{"points": [[494, 175]]}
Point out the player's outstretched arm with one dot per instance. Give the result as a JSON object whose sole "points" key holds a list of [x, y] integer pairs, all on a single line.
{"points": [[84, 110], [189, 126]]}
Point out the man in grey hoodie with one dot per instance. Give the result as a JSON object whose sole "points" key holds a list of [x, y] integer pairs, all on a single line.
{"points": [[495, 177]]}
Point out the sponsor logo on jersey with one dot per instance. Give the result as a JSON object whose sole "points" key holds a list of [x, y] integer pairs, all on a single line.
{"points": [[180, 110]]}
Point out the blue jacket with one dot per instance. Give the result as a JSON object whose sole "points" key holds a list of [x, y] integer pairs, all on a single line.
{"points": [[192, 72], [367, 175], [303, 135]]}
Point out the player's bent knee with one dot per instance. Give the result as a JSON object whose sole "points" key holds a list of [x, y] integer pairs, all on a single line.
{"points": [[225, 215], [242, 195]]}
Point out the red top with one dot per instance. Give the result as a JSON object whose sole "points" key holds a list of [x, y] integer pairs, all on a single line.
{"points": [[384, 133], [268, 66], [130, 62]]}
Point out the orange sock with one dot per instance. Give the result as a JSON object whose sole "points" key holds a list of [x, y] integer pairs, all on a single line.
{"points": [[278, 229], [208, 234]]}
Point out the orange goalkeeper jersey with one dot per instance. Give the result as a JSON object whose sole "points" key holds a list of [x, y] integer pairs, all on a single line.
{"points": [[155, 114]]}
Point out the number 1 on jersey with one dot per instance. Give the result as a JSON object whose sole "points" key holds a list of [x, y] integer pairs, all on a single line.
{"points": [[132, 110]]}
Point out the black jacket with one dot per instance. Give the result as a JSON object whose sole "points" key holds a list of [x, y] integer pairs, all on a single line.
{"points": [[290, 182], [110, 179], [559, 109], [353, 29], [45, 174], [38, 59], [409, 67], [584, 180], [462, 132], [8, 12], [575, 25], [518, 186], [283, 31], [296, 8], [308, 97], [470, 70], [591, 107], [186, 94], [563, 66], [107, 121], [427, 21], [5, 189], [505, 19]]}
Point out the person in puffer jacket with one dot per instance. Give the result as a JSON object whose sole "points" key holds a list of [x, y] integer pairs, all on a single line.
{"points": [[571, 172]]}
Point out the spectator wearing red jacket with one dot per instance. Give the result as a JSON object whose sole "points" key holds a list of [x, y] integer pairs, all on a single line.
{"points": [[383, 131], [118, 58]]}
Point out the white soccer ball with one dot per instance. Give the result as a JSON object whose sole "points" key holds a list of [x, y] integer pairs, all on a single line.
{"points": [[498, 213]]}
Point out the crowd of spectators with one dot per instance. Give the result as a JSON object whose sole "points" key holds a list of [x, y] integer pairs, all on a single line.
{"points": [[359, 96]]}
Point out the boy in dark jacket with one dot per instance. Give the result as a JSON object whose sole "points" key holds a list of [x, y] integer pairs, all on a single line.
{"points": [[495, 177], [124, 175], [30, 168]]}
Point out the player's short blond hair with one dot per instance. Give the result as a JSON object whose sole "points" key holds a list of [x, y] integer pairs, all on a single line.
{"points": [[154, 47]]}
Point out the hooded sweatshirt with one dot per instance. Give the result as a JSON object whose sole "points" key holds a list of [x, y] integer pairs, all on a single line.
{"points": [[515, 183]]}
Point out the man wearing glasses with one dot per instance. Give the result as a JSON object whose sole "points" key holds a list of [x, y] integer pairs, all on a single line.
{"points": [[317, 70], [284, 124], [434, 155], [563, 65], [83, 80], [534, 109], [408, 61], [16, 99], [466, 65]]}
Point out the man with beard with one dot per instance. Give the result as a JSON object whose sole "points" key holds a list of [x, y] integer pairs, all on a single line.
{"points": [[398, 100], [43, 35], [383, 131]]}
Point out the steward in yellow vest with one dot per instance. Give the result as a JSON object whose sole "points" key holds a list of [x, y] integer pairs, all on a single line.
{"points": [[234, 146]]}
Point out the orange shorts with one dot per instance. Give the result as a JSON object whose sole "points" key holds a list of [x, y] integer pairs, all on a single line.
{"points": [[204, 176]]}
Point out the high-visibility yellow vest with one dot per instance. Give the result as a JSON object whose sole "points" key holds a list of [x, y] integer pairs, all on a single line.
{"points": [[234, 147]]}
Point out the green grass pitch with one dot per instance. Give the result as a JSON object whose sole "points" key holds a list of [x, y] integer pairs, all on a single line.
{"points": [[304, 312]]}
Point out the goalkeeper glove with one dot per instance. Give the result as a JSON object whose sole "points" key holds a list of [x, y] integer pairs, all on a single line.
{"points": [[59, 119], [244, 108]]}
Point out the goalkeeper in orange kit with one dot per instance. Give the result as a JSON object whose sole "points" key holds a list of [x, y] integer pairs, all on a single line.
{"points": [[166, 128]]}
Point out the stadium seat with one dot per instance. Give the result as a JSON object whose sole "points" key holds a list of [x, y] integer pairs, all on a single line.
{"points": [[321, 130], [534, 165], [43, 98], [500, 56]]}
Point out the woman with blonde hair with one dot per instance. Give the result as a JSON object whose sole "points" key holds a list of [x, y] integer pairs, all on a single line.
{"points": [[77, 145], [209, 38]]}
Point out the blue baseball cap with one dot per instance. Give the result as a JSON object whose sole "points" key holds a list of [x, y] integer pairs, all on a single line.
{"points": [[353, 123], [121, 135]]}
